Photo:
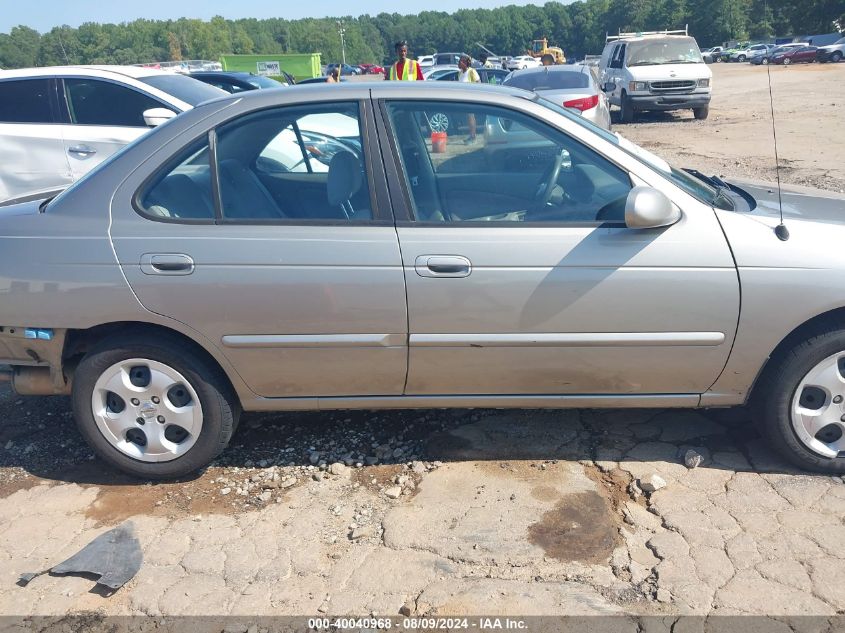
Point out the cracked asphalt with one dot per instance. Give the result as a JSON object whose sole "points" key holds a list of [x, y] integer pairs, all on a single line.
{"points": [[528, 512], [442, 512]]}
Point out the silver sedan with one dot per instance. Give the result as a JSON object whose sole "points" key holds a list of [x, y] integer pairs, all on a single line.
{"points": [[572, 86], [327, 249]]}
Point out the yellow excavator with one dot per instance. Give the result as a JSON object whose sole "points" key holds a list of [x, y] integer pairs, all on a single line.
{"points": [[541, 47]]}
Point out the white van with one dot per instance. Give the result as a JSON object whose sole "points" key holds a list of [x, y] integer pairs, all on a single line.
{"points": [[660, 70]]}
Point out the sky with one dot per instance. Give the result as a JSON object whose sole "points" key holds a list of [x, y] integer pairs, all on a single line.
{"points": [[45, 14]]}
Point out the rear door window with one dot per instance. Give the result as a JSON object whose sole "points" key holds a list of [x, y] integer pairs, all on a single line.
{"points": [[25, 101]]}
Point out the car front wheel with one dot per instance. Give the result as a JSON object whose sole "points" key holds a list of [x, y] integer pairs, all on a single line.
{"points": [[800, 403], [153, 408], [836, 57], [701, 113], [787, 61]]}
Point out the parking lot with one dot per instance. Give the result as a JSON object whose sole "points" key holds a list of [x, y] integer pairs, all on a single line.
{"points": [[468, 512]]}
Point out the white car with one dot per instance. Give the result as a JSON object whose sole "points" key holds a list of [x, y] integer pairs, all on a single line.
{"points": [[523, 61], [57, 123], [426, 62]]}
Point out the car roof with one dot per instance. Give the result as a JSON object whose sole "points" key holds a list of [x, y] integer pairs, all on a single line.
{"points": [[134, 72], [237, 74]]}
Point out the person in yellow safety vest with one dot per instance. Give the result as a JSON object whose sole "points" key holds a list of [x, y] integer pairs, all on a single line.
{"points": [[404, 69], [468, 74]]}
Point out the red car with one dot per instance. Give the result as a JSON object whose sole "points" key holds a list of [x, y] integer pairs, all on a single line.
{"points": [[371, 69], [804, 54]]}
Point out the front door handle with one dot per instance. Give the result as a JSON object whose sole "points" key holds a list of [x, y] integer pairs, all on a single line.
{"points": [[166, 264], [442, 266], [82, 150]]}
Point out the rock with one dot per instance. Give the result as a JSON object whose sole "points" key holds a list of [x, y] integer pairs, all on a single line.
{"points": [[663, 595], [265, 496], [418, 468], [338, 469], [371, 460], [692, 459], [397, 453], [225, 491], [288, 482], [314, 457], [263, 463], [407, 608], [394, 492], [317, 476], [652, 483], [362, 532]]}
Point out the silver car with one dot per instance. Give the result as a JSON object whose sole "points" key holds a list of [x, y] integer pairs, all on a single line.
{"points": [[572, 86], [200, 272]]}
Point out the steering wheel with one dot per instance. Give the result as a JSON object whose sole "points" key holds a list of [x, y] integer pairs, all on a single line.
{"points": [[544, 191]]}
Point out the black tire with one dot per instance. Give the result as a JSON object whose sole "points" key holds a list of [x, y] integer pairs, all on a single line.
{"points": [[701, 113], [771, 401], [836, 56], [787, 61], [741, 59], [765, 61], [627, 109], [220, 405]]}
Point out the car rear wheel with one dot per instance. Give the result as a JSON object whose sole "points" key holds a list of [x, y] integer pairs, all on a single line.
{"points": [[741, 59], [701, 113], [765, 61], [800, 403], [787, 61], [153, 408]]}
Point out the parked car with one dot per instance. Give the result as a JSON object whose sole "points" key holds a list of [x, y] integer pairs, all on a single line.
{"points": [[725, 55], [426, 62], [659, 72], [371, 69], [745, 54], [446, 59], [345, 69], [571, 86], [798, 55], [57, 123], [712, 55], [764, 59], [832, 52], [435, 72], [523, 61], [582, 271], [486, 75], [233, 82]]}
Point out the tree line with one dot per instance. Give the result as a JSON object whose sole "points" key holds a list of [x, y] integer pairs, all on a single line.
{"points": [[579, 28]]}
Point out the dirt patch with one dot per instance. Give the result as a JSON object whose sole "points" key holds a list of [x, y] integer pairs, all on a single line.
{"points": [[614, 486], [545, 493], [582, 527]]}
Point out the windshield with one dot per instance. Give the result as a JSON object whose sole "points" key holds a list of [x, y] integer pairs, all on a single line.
{"points": [[696, 187], [546, 80], [263, 82], [674, 50], [191, 91]]}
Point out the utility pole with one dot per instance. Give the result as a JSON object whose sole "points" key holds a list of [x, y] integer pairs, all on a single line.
{"points": [[341, 30]]}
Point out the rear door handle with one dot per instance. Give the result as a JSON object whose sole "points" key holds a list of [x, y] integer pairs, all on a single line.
{"points": [[83, 150], [442, 266], [166, 264]]}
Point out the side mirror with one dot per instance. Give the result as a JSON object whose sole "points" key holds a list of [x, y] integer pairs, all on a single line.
{"points": [[648, 208], [608, 87], [157, 116]]}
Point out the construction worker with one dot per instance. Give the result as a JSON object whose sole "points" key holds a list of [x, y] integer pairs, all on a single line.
{"points": [[468, 74], [404, 69], [485, 62], [334, 76], [547, 59]]}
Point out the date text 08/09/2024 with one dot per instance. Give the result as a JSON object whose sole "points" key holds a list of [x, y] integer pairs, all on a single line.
{"points": [[483, 624]]}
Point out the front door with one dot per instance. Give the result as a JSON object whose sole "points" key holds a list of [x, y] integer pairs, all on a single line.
{"points": [[291, 267], [522, 277]]}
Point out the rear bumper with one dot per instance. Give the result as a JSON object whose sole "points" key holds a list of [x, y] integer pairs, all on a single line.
{"points": [[670, 102]]}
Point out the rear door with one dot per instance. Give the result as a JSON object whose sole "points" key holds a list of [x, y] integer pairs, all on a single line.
{"points": [[292, 266], [32, 158], [102, 117]]}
